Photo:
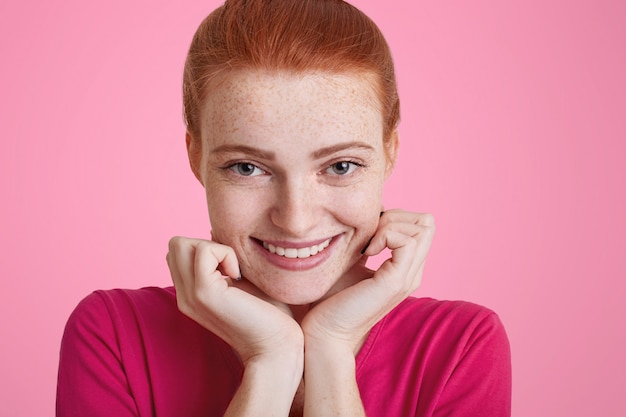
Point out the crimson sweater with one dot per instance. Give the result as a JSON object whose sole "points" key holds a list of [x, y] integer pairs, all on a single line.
{"points": [[132, 353]]}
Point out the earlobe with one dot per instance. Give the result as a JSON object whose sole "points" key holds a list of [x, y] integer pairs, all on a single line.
{"points": [[391, 152], [194, 152]]}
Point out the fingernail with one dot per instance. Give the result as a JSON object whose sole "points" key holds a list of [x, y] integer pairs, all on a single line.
{"points": [[366, 245]]}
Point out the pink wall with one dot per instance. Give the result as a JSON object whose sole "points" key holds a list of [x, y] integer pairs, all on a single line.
{"points": [[513, 135]]}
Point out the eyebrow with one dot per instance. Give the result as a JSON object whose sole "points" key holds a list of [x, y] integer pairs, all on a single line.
{"points": [[321, 153], [249, 150], [270, 156]]}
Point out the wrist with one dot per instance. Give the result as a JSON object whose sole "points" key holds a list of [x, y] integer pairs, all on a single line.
{"points": [[284, 368], [321, 342], [329, 352], [268, 386], [330, 375]]}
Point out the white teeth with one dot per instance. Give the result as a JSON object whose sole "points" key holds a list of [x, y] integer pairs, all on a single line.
{"points": [[293, 253]]}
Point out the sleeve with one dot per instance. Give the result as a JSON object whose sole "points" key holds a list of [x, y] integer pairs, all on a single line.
{"points": [[91, 379], [480, 384]]}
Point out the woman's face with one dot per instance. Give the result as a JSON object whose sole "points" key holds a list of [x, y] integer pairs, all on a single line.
{"points": [[293, 167]]}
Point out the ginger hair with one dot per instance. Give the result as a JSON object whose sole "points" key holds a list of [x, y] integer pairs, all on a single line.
{"points": [[296, 36]]}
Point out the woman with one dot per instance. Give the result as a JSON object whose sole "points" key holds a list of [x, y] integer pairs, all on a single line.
{"points": [[291, 110]]}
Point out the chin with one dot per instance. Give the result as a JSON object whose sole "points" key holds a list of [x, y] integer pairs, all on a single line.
{"points": [[295, 296]]}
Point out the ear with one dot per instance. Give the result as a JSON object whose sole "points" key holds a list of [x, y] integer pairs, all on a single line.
{"points": [[391, 152], [194, 152]]}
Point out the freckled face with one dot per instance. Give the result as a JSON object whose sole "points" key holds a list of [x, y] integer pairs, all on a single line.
{"points": [[293, 167]]}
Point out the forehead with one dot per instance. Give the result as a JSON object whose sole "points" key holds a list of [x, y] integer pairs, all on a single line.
{"points": [[314, 105]]}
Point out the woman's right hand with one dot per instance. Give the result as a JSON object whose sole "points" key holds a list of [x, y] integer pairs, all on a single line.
{"points": [[261, 330]]}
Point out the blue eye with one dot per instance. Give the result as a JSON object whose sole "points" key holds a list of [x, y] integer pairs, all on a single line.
{"points": [[246, 169], [342, 168]]}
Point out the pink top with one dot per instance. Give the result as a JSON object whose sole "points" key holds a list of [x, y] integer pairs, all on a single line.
{"points": [[132, 353]]}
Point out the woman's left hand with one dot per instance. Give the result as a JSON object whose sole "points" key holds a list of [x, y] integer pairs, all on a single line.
{"points": [[344, 319]]}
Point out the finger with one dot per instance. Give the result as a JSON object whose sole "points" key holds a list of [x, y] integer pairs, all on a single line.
{"points": [[409, 229], [190, 280], [211, 257], [402, 272], [403, 216], [396, 240], [180, 260], [362, 260], [394, 235]]}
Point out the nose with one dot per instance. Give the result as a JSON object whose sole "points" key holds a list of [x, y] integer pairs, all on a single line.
{"points": [[296, 207]]}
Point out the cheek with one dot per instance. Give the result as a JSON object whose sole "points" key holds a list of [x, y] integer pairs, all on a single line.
{"points": [[230, 216], [361, 208]]}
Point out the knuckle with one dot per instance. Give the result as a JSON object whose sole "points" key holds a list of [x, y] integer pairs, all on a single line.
{"points": [[205, 248], [230, 251], [426, 219], [412, 242], [202, 246], [174, 243]]}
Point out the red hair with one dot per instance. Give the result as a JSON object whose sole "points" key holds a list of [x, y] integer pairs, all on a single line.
{"points": [[289, 35]]}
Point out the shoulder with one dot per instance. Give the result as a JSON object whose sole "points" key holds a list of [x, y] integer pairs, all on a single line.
{"points": [[428, 313], [120, 316], [133, 315], [119, 297], [122, 349], [438, 334], [103, 315], [137, 325], [440, 310], [457, 326], [119, 304], [452, 355]]}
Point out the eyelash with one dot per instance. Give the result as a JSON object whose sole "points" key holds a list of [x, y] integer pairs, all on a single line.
{"points": [[354, 165], [236, 166]]}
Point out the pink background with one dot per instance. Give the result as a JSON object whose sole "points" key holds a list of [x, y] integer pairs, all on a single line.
{"points": [[513, 134]]}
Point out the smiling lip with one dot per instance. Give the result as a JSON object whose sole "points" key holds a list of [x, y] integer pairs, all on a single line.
{"points": [[296, 256], [292, 252]]}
